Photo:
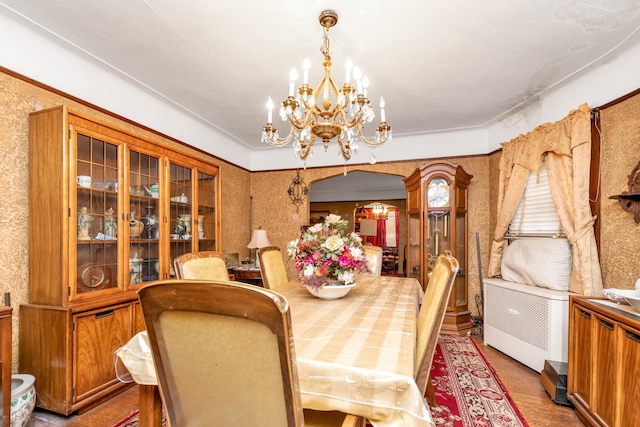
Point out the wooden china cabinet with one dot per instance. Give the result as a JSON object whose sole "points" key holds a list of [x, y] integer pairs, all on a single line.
{"points": [[109, 211], [437, 221]]}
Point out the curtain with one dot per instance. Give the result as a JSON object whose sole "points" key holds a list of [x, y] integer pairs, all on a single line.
{"points": [[381, 238], [387, 229], [392, 228], [566, 147]]}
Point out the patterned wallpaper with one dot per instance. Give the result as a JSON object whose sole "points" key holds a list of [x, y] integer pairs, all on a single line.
{"points": [[619, 234], [273, 210], [260, 199]]}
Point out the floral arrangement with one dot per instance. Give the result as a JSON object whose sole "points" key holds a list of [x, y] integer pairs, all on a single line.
{"points": [[324, 253]]}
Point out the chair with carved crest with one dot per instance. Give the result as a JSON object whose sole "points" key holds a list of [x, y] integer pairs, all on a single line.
{"points": [[431, 316], [205, 265]]}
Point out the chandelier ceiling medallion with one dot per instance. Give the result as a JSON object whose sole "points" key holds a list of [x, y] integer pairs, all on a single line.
{"points": [[327, 112]]}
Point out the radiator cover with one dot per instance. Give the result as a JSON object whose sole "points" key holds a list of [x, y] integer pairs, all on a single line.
{"points": [[527, 323]]}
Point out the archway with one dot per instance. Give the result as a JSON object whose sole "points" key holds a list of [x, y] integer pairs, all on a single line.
{"points": [[342, 195]]}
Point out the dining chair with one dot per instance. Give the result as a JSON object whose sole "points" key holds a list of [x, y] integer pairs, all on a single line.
{"points": [[431, 316], [272, 267], [374, 258], [223, 353], [205, 265]]}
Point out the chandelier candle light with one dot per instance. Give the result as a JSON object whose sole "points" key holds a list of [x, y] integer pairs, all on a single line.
{"points": [[311, 116]]}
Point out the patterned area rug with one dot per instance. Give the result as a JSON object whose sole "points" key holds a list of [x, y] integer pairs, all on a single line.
{"points": [[468, 391], [132, 420]]}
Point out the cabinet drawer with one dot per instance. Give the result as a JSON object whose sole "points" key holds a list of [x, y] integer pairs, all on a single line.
{"points": [[604, 385], [629, 340], [580, 355], [97, 335]]}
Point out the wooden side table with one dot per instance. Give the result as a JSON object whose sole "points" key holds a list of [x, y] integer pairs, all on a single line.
{"points": [[248, 275], [5, 363]]}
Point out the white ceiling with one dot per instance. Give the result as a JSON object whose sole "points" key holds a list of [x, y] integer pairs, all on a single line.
{"points": [[439, 65], [358, 185]]}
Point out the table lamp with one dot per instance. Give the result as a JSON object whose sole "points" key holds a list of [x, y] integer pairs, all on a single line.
{"points": [[259, 240]]}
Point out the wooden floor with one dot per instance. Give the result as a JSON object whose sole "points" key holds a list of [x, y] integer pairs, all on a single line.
{"points": [[522, 383]]}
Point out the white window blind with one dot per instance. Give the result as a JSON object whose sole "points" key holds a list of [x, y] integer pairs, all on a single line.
{"points": [[536, 214]]}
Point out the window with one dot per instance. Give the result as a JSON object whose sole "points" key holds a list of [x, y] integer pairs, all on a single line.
{"points": [[536, 214]]}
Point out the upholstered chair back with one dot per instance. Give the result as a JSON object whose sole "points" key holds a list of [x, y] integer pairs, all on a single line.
{"points": [[223, 352], [431, 315], [272, 267], [205, 265], [374, 259]]}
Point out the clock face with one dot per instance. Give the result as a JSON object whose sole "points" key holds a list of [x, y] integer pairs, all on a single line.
{"points": [[438, 193]]}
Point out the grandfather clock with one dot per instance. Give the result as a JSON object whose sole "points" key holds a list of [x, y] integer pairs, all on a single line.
{"points": [[437, 221]]}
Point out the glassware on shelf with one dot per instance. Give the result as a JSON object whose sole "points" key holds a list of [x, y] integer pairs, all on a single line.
{"points": [[150, 221]]}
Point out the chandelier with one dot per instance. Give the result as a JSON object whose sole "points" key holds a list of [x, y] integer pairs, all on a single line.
{"points": [[380, 211], [327, 112]]}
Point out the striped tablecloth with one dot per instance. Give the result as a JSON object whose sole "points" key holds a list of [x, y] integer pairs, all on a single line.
{"points": [[355, 354]]}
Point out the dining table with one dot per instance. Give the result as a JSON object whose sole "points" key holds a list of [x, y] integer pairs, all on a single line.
{"points": [[355, 354]]}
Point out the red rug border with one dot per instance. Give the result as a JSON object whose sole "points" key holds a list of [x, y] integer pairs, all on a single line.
{"points": [[516, 409], [128, 418]]}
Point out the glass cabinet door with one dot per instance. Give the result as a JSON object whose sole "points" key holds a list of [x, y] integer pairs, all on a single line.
{"points": [[96, 213], [461, 290], [144, 210], [206, 221], [437, 236], [180, 211]]}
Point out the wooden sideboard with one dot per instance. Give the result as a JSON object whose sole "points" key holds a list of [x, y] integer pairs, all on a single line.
{"points": [[5, 363], [604, 362]]}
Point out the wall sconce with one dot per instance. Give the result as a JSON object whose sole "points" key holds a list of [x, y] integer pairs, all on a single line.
{"points": [[297, 191]]}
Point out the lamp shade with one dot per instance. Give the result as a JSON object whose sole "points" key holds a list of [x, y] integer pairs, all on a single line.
{"points": [[368, 227], [259, 239]]}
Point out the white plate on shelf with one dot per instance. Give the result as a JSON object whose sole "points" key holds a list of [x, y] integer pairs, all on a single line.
{"points": [[634, 300]]}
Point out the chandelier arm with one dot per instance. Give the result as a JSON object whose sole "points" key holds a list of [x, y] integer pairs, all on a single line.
{"points": [[376, 141], [305, 149], [280, 142], [355, 120], [299, 125], [345, 149]]}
